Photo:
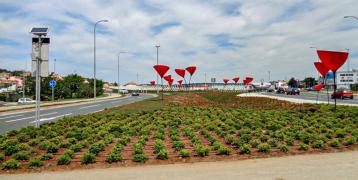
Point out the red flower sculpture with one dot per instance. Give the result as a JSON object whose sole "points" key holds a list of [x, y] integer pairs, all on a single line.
{"points": [[226, 81], [170, 82], [180, 82], [180, 72], [191, 70], [248, 80], [168, 77], [152, 82], [161, 69], [236, 79], [321, 68], [333, 60], [318, 87]]}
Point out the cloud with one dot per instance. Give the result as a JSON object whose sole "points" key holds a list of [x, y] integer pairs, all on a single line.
{"points": [[224, 38]]}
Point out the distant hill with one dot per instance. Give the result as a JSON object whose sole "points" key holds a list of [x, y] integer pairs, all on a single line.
{"points": [[13, 73]]}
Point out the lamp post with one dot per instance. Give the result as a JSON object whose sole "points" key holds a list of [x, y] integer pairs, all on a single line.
{"points": [[157, 46], [94, 56], [119, 54]]}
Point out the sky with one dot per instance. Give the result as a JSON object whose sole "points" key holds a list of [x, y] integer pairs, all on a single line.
{"points": [[223, 38]]}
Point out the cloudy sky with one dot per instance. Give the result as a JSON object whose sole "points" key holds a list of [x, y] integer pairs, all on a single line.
{"points": [[224, 38]]}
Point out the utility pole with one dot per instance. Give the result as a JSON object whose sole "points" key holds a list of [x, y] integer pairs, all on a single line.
{"points": [[348, 65], [269, 76], [53, 88], [24, 80]]}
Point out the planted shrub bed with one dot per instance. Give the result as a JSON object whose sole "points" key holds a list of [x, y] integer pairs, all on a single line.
{"points": [[213, 132]]}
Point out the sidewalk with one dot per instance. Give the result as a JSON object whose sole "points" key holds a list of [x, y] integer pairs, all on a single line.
{"points": [[343, 165], [50, 104]]}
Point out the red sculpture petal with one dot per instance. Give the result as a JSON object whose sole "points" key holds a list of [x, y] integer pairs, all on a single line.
{"points": [[180, 82], [248, 80], [322, 69], [152, 82], [226, 80], [333, 60], [161, 69], [180, 72], [236, 79], [191, 70], [168, 77]]}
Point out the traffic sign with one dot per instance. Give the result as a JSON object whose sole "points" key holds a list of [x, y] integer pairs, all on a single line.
{"points": [[52, 83]]}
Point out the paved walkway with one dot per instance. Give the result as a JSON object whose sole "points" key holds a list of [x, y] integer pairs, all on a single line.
{"points": [[342, 165]]}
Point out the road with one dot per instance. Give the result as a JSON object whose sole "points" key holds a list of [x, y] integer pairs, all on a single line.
{"points": [[343, 165], [322, 96], [25, 118]]}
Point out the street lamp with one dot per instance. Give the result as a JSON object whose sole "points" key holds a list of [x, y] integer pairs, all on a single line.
{"points": [[94, 56], [122, 52], [354, 17]]}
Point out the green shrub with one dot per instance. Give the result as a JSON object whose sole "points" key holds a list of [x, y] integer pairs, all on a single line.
{"points": [[21, 156], [96, 148], [184, 153], [63, 160], [113, 157], [202, 150], [162, 154], [318, 144], [44, 145], [246, 137], [264, 148], [76, 147], [290, 141], [303, 147], [11, 149], [245, 149], [65, 144], [88, 158], [335, 143], [34, 142], [254, 143], [36, 162], [264, 138], [52, 148], [11, 164], [158, 145], [70, 153], [2, 156], [283, 148], [350, 141], [178, 145], [272, 142], [140, 158], [45, 157]]}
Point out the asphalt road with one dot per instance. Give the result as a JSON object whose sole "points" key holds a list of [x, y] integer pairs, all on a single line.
{"points": [[322, 96], [27, 118]]}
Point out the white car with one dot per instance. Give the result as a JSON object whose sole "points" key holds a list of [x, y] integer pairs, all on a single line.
{"points": [[26, 101]]}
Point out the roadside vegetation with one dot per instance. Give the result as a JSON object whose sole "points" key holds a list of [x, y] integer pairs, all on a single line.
{"points": [[183, 128]]}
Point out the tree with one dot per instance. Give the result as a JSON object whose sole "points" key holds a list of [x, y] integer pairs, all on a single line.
{"points": [[310, 81], [292, 82]]}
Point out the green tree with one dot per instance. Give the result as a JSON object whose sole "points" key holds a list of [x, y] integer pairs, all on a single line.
{"points": [[292, 82], [310, 81]]}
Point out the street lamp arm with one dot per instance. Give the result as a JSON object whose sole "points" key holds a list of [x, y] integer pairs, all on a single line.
{"points": [[354, 17]]}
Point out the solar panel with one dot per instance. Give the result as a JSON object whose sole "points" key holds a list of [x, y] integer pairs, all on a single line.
{"points": [[39, 31]]}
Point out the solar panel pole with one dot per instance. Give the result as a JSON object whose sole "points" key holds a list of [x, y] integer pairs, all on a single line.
{"points": [[38, 82]]}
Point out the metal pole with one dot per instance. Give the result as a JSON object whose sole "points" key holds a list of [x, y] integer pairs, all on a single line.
{"points": [[157, 46], [24, 80], [94, 61], [269, 78], [334, 91], [118, 74], [38, 83]]}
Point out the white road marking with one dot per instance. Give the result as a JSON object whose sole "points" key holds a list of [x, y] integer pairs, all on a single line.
{"points": [[114, 102], [51, 118], [98, 111], [11, 116], [30, 117], [89, 106]]}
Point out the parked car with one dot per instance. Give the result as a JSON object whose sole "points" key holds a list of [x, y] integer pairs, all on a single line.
{"points": [[135, 93], [342, 93], [123, 91], [293, 91], [25, 101], [2, 103], [280, 90]]}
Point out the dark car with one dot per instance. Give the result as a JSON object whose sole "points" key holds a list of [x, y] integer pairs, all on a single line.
{"points": [[293, 91], [135, 94], [342, 93]]}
